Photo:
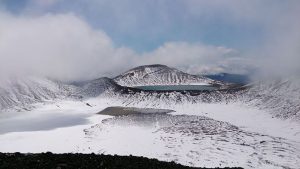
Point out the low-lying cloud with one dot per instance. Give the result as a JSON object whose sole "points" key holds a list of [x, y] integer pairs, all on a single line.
{"points": [[49, 39], [60, 46], [64, 47], [196, 57]]}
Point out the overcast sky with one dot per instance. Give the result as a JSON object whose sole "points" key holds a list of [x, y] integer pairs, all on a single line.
{"points": [[84, 39]]}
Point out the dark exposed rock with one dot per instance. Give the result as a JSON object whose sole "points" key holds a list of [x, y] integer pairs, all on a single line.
{"points": [[82, 161]]}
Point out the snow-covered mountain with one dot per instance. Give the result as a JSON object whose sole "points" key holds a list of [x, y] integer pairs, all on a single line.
{"points": [[22, 92], [160, 75], [280, 97], [227, 120]]}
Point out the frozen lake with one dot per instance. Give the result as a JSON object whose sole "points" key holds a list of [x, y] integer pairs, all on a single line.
{"points": [[36, 122]]}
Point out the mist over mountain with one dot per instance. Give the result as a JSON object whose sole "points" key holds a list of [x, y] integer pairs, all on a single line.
{"points": [[231, 78], [278, 95], [22, 92]]}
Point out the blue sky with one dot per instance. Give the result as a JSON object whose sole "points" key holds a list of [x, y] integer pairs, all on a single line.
{"points": [[193, 35]]}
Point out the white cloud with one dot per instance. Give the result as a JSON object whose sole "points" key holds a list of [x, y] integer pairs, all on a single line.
{"points": [[278, 51], [193, 57], [60, 46], [65, 47]]}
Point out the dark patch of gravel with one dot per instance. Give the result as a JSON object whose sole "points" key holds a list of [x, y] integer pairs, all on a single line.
{"points": [[81, 161]]}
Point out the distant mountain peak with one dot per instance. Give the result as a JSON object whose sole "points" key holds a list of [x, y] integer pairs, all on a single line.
{"points": [[158, 74]]}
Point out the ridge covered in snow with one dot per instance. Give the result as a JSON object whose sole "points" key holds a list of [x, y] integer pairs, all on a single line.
{"points": [[21, 92], [160, 75], [281, 97], [97, 87]]}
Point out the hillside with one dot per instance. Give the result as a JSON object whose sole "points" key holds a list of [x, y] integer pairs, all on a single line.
{"points": [[160, 75]]}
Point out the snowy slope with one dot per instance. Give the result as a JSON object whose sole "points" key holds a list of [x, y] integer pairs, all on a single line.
{"points": [[22, 92], [97, 87], [157, 99], [192, 140], [281, 97], [159, 75]]}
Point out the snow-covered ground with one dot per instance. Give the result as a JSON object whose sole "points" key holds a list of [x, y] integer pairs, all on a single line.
{"points": [[209, 135], [245, 117]]}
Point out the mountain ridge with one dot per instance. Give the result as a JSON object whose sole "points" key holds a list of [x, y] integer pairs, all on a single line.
{"points": [[158, 74], [280, 97], [23, 92]]}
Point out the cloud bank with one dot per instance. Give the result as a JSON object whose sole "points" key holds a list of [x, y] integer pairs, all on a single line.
{"points": [[78, 41], [60, 46], [64, 47]]}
